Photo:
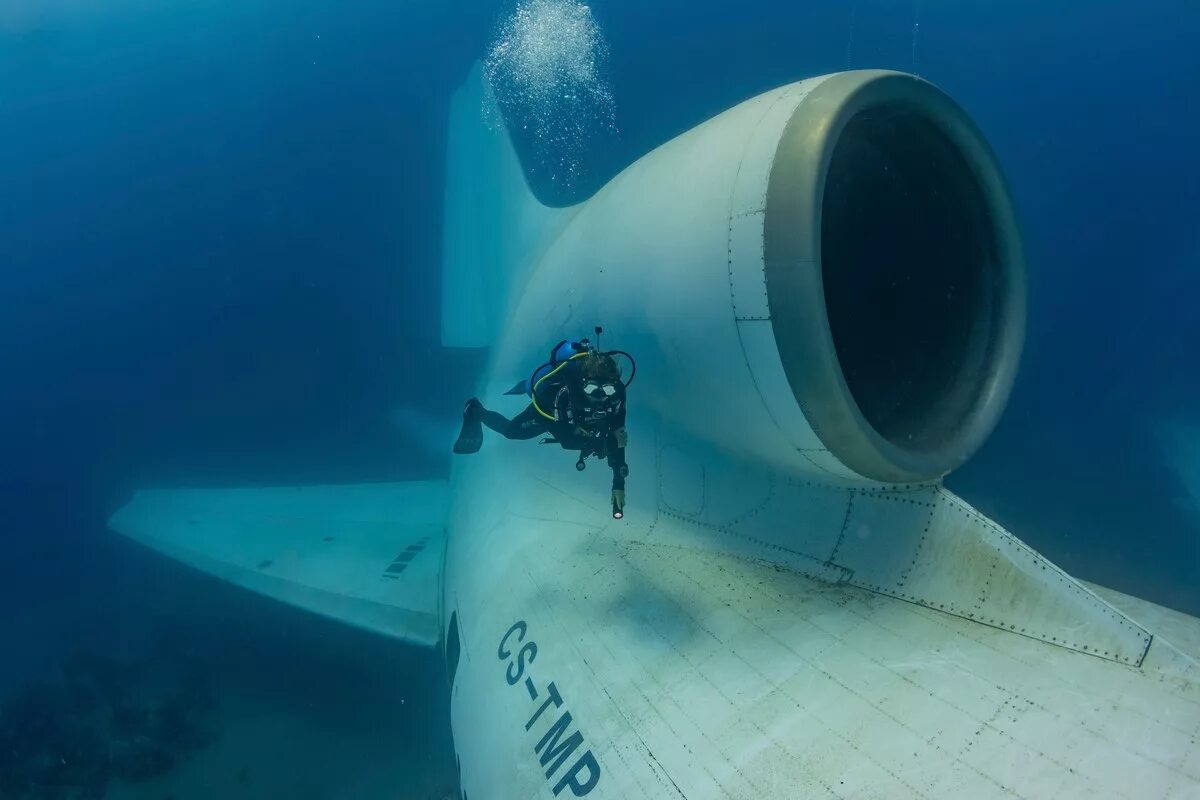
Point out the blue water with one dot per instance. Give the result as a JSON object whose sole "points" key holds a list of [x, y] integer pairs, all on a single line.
{"points": [[219, 244]]}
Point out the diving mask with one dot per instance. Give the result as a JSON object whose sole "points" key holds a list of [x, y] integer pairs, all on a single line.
{"points": [[598, 390]]}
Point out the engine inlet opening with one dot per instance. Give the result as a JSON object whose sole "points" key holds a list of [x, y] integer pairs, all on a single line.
{"points": [[911, 277]]}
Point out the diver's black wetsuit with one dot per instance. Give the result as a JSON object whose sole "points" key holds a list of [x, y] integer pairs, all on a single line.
{"points": [[573, 426]]}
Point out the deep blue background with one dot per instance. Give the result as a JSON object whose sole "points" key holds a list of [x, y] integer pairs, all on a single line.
{"points": [[219, 242]]}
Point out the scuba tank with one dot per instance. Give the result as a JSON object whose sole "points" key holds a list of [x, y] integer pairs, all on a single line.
{"points": [[560, 354], [565, 351]]}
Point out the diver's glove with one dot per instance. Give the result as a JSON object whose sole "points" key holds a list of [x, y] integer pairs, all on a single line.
{"points": [[622, 437], [618, 499]]}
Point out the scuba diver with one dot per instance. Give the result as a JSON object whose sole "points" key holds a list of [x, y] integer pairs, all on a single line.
{"points": [[578, 398]]}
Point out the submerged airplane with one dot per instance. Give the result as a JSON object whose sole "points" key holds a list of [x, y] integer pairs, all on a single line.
{"points": [[824, 290]]}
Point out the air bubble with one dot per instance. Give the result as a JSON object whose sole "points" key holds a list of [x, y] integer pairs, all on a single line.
{"points": [[545, 71]]}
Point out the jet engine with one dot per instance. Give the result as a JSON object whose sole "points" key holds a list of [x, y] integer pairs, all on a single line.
{"points": [[827, 277]]}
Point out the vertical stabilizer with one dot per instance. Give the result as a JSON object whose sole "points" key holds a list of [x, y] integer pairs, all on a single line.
{"points": [[493, 226]]}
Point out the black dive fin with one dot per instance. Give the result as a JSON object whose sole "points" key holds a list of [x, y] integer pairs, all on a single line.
{"points": [[470, 439], [519, 388]]}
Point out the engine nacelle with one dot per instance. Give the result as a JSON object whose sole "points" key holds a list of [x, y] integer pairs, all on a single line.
{"points": [[827, 277]]}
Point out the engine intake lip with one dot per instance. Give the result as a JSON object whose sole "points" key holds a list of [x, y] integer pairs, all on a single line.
{"points": [[901, 386]]}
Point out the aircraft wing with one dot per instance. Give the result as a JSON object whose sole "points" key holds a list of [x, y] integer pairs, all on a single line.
{"points": [[693, 673], [1181, 630], [369, 555]]}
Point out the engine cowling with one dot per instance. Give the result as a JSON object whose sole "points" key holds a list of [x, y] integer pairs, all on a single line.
{"points": [[827, 277]]}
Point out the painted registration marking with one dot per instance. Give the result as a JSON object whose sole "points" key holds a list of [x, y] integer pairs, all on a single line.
{"points": [[556, 743]]}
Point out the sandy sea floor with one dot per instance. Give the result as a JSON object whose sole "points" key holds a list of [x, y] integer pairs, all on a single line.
{"points": [[304, 707], [270, 751]]}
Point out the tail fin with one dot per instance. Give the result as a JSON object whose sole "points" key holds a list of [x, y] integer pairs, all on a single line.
{"points": [[493, 226]]}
